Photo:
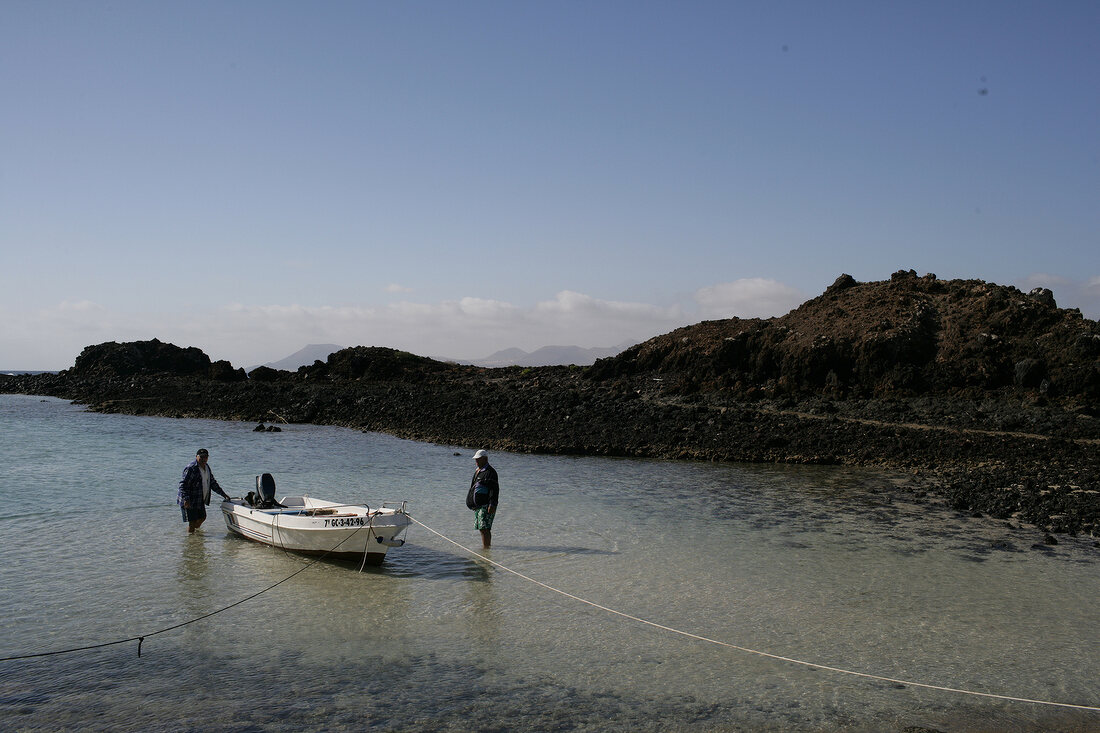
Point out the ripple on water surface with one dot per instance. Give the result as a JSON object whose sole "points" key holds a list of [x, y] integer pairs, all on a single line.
{"points": [[819, 564]]}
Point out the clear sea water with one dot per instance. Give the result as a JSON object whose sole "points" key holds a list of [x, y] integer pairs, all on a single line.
{"points": [[817, 564]]}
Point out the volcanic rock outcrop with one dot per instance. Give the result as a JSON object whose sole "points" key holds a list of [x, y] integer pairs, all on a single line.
{"points": [[985, 397], [905, 337], [112, 359]]}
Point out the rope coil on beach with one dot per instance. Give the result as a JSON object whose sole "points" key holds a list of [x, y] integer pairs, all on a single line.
{"points": [[813, 665]]}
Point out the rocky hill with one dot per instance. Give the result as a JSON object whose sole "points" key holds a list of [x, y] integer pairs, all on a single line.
{"points": [[983, 396], [905, 337], [109, 360]]}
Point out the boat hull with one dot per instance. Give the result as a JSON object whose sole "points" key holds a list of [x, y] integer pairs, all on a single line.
{"points": [[316, 527]]}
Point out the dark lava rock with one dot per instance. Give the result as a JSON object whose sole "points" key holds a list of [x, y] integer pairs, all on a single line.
{"points": [[374, 363], [113, 359], [1044, 296], [904, 337], [1029, 373], [223, 371], [140, 357], [267, 374], [986, 397]]}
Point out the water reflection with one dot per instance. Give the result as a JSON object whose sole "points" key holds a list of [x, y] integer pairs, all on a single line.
{"points": [[193, 569], [818, 563], [482, 612], [556, 549]]}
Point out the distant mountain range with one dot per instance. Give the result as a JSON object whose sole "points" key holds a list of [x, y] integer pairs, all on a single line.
{"points": [[302, 357], [546, 356]]}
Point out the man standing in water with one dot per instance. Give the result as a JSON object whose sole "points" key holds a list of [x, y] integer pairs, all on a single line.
{"points": [[482, 497], [194, 491]]}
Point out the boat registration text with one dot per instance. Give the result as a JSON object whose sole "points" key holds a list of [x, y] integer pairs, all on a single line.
{"points": [[347, 522]]}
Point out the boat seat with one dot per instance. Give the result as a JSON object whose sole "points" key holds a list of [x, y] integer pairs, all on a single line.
{"points": [[265, 492]]}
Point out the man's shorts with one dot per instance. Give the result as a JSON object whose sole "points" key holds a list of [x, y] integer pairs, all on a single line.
{"points": [[194, 513], [483, 518]]}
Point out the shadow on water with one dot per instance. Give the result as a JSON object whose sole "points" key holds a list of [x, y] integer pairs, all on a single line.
{"points": [[556, 550], [417, 561], [408, 561]]}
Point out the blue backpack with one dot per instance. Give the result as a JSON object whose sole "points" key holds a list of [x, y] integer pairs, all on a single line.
{"points": [[477, 496]]}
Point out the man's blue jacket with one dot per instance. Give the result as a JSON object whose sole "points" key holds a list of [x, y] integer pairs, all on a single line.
{"points": [[191, 485]]}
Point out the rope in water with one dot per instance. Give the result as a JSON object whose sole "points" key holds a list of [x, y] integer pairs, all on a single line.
{"points": [[778, 657], [141, 639]]}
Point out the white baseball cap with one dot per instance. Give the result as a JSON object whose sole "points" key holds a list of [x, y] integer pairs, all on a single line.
{"points": [[480, 454]]}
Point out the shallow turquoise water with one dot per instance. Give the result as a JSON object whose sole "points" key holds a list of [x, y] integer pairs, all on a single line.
{"points": [[816, 564]]}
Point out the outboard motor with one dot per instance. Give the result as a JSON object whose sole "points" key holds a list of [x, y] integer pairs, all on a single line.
{"points": [[265, 492]]}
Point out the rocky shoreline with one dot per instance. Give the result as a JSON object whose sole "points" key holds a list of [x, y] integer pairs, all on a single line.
{"points": [[989, 429], [1045, 471]]}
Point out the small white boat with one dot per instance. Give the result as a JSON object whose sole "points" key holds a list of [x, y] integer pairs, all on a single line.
{"points": [[317, 527]]}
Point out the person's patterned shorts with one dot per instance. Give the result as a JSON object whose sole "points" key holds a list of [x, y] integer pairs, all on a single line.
{"points": [[483, 518]]}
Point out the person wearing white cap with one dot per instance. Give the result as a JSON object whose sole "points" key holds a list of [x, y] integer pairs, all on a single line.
{"points": [[482, 497]]}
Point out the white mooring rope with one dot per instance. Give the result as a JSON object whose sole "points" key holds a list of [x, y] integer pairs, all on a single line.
{"points": [[690, 635]]}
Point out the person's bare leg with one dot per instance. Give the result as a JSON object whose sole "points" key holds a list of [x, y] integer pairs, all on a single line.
{"points": [[486, 538]]}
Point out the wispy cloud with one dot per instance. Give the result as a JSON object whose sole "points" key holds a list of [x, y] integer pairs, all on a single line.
{"points": [[465, 328], [1044, 280], [52, 338], [1068, 292], [754, 297]]}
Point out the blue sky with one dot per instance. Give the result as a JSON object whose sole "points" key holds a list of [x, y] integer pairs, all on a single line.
{"points": [[455, 178]]}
